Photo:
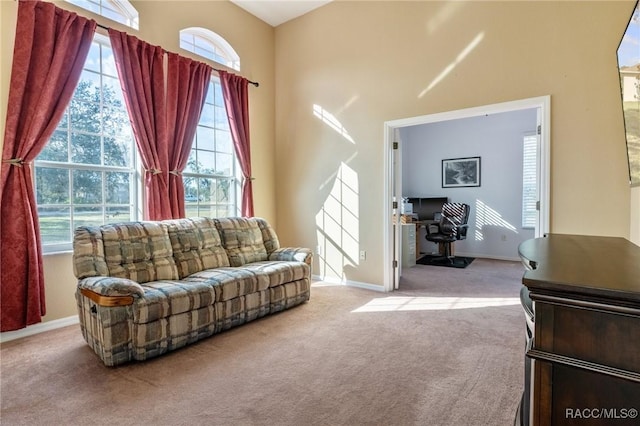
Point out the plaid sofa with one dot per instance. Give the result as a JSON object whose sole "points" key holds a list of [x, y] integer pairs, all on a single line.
{"points": [[146, 288]]}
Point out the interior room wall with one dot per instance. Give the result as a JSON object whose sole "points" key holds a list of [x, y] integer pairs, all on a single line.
{"points": [[347, 67], [160, 23], [495, 221]]}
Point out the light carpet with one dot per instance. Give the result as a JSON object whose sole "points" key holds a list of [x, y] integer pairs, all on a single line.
{"points": [[446, 349]]}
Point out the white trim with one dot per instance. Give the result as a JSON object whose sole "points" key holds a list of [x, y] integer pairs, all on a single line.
{"points": [[542, 102], [39, 328], [318, 282]]}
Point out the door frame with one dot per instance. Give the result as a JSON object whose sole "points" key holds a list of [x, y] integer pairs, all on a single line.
{"points": [[542, 103]]}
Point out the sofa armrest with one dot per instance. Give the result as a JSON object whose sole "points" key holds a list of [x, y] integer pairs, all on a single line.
{"points": [[300, 254], [110, 291]]}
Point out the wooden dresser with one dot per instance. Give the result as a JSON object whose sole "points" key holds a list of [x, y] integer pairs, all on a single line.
{"points": [[585, 354]]}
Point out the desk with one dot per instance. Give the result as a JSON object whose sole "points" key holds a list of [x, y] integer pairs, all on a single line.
{"points": [[586, 339]]}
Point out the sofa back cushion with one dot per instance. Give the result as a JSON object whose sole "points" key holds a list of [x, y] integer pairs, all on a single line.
{"points": [[139, 251], [196, 245], [246, 240]]}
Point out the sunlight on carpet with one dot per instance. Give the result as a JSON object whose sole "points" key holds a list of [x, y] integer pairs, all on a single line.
{"points": [[389, 304]]}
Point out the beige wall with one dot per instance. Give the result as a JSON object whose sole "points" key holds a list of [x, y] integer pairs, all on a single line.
{"points": [[160, 22], [365, 63]]}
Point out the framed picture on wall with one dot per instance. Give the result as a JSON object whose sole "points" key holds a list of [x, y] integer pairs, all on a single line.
{"points": [[461, 172]]}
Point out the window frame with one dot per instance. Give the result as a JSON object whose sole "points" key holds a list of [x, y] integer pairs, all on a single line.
{"points": [[213, 99], [133, 169], [122, 11], [222, 51]]}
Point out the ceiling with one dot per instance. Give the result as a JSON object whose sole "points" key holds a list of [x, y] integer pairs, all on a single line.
{"points": [[276, 12]]}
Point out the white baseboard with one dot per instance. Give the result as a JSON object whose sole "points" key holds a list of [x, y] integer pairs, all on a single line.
{"points": [[348, 283], [38, 328]]}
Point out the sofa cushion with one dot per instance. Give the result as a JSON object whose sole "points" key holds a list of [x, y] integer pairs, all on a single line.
{"points": [[279, 272], [166, 298], [139, 251], [88, 253], [231, 282], [196, 245], [243, 240]]}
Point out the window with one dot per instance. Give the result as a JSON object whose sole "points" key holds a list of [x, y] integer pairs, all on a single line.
{"points": [[86, 174], [529, 181], [117, 10], [209, 45], [211, 183]]}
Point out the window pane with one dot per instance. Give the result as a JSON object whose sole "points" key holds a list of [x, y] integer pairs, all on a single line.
{"points": [[205, 137], [112, 95], [206, 188], [206, 162], [64, 121], [204, 53], [57, 149], [52, 185], [117, 152], [55, 226], [217, 89], [223, 164], [87, 187], [211, 93], [93, 58], [223, 141], [118, 214], [89, 82], [207, 118], [85, 149], [118, 188], [192, 163], [223, 189], [221, 118], [108, 62], [87, 216], [120, 11]]}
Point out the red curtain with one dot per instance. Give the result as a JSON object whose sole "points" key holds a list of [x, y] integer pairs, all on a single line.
{"points": [[236, 100], [187, 82], [50, 49], [141, 72]]}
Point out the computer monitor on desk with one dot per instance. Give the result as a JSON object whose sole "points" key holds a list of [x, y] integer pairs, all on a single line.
{"points": [[426, 208]]}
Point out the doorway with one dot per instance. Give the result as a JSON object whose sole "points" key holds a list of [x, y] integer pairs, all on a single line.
{"points": [[393, 171]]}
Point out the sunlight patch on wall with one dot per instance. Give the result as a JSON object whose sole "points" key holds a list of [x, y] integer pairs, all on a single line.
{"points": [[446, 12], [486, 216], [445, 72], [338, 225], [396, 304], [331, 121]]}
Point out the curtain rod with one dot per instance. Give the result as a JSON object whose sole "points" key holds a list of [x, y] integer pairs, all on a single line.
{"points": [[255, 83]]}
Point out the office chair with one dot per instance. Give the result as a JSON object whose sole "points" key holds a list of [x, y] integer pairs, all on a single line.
{"points": [[452, 227]]}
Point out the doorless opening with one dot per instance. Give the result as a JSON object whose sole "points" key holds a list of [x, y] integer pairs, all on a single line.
{"points": [[393, 171]]}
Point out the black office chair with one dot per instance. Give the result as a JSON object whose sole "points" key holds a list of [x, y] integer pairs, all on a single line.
{"points": [[452, 227]]}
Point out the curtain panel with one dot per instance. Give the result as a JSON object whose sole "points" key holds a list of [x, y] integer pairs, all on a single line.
{"points": [[50, 50], [187, 82], [141, 71], [236, 100]]}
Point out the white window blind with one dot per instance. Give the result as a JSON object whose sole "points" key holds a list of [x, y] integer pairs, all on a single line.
{"points": [[529, 180]]}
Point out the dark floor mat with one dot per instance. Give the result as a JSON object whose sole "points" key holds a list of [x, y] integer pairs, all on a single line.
{"points": [[455, 262]]}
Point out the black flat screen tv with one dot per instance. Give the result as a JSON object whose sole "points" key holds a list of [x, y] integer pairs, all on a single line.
{"points": [[629, 67]]}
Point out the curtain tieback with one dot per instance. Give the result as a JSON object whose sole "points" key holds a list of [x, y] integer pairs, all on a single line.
{"points": [[15, 162], [249, 178], [154, 171], [176, 172]]}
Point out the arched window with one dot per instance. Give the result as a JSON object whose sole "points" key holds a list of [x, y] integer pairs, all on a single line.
{"points": [[209, 45], [117, 10]]}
